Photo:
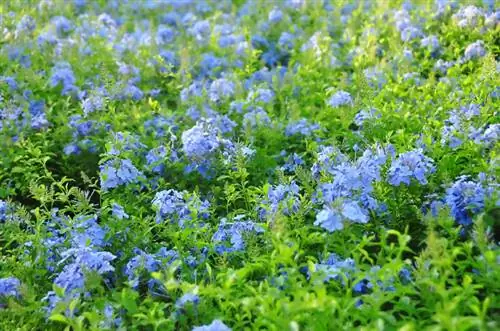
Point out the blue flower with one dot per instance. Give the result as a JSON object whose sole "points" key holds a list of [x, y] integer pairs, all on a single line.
{"points": [[233, 233], [366, 114], [375, 77], [72, 277], [4, 208], [223, 123], [130, 91], [172, 205], [9, 287], [200, 141], [364, 286], [221, 89], [93, 103], [286, 41], [465, 198], [353, 212], [443, 66], [62, 74], [292, 163], [187, 298], [155, 159], [86, 259], [405, 275], [159, 126], [340, 98], [10, 81], [216, 325], [87, 232], [302, 127], [333, 218], [118, 211], [275, 15], [259, 42], [62, 25], [200, 30], [413, 164], [144, 262], [25, 24], [282, 197], [211, 65], [336, 269], [164, 35], [410, 33], [109, 322], [256, 117], [475, 50], [114, 173], [468, 16], [329, 220], [263, 95], [431, 43]]}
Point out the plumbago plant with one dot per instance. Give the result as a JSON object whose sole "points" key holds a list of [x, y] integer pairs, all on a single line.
{"points": [[234, 165]]}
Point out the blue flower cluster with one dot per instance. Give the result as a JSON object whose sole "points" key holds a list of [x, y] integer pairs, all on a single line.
{"points": [[280, 198], [216, 325], [118, 172], [9, 287], [340, 98], [84, 256], [349, 196], [178, 207], [233, 233], [465, 198], [410, 165], [143, 263]]}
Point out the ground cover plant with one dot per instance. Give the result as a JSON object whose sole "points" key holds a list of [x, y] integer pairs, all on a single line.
{"points": [[249, 165]]}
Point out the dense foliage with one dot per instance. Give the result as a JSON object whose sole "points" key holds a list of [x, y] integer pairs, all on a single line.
{"points": [[275, 165]]}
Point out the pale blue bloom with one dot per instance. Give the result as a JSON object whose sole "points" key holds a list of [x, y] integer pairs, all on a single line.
{"points": [[175, 206], [87, 232], [9, 287], [62, 74], [187, 298], [114, 173], [336, 269], [353, 212], [155, 159], [118, 211], [256, 117], [221, 89], [275, 15], [329, 220], [431, 43], [263, 95], [142, 262], [410, 33], [366, 114], [233, 232], [340, 98], [164, 35], [200, 141], [62, 25], [465, 198], [200, 30], [216, 325], [475, 50], [468, 16], [413, 164], [302, 127]]}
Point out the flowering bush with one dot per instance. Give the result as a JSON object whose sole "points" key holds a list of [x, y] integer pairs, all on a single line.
{"points": [[261, 165]]}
